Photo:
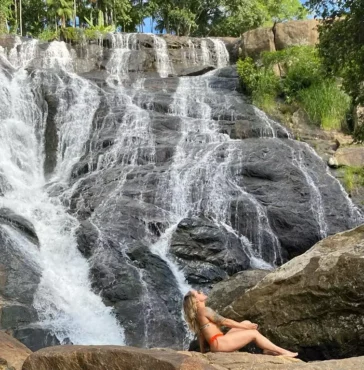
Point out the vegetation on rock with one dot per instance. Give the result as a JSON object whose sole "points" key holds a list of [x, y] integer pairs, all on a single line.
{"points": [[304, 82]]}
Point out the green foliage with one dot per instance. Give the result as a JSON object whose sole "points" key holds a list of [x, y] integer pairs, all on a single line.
{"points": [[342, 42], [5, 14], [239, 16], [353, 178], [48, 35], [304, 84], [326, 104], [259, 82], [302, 67]]}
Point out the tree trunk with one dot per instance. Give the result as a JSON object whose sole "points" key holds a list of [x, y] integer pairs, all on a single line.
{"points": [[20, 18], [74, 13]]}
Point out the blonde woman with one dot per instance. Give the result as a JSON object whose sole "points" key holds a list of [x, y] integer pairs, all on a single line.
{"points": [[206, 324]]}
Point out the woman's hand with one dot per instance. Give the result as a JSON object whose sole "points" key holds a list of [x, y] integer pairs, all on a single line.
{"points": [[250, 325]]}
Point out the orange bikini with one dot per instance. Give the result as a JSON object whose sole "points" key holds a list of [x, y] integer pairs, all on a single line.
{"points": [[214, 338]]}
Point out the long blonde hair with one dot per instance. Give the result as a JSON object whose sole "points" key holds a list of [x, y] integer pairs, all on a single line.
{"points": [[190, 312]]}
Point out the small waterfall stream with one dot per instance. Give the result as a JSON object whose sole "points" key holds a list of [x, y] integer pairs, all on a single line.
{"points": [[64, 299]]}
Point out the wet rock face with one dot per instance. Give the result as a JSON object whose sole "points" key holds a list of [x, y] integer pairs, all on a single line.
{"points": [[18, 283], [207, 252], [299, 304]]}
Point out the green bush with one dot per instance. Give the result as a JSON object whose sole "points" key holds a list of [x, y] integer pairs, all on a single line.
{"points": [[326, 104], [304, 83], [353, 178], [301, 65], [48, 35], [260, 83], [73, 35]]}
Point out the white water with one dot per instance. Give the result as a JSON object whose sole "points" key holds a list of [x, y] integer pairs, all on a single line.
{"points": [[222, 55], [64, 300], [122, 46], [199, 181], [164, 65]]}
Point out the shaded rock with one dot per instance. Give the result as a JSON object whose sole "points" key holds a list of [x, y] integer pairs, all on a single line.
{"points": [[12, 352], [35, 337], [226, 291], [358, 116], [19, 279], [8, 217], [207, 252], [114, 357], [292, 33], [350, 156], [299, 304], [256, 41], [195, 71]]}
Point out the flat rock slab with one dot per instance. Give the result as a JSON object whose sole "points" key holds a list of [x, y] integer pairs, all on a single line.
{"points": [[350, 156], [127, 358], [111, 358], [12, 352]]}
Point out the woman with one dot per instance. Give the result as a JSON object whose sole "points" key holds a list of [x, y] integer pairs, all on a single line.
{"points": [[205, 323]]}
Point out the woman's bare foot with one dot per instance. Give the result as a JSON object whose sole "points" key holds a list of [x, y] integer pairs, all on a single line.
{"points": [[289, 354]]}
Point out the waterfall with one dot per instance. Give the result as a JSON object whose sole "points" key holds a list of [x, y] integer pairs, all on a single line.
{"points": [[136, 159], [164, 66], [64, 300], [199, 182], [122, 47]]}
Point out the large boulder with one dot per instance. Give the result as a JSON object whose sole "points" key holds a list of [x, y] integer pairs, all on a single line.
{"points": [[12, 353], [226, 291], [126, 358], [111, 358], [349, 156], [296, 33], [256, 41], [315, 302]]}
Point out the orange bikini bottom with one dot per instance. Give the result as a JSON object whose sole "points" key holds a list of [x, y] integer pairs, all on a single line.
{"points": [[214, 337]]}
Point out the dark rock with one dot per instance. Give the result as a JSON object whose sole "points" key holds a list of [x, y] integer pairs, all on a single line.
{"points": [[8, 217], [35, 337], [195, 71], [207, 251]]}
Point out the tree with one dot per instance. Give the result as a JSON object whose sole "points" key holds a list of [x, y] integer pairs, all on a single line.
{"points": [[342, 42], [243, 15], [61, 8], [5, 15]]}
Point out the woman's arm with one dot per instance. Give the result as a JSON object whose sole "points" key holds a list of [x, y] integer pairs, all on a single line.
{"points": [[220, 320]]}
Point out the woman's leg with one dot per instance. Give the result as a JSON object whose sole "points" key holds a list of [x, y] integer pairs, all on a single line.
{"points": [[233, 341]]}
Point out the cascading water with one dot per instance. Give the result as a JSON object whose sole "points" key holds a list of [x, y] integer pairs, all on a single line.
{"points": [[132, 161], [64, 300], [199, 181]]}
